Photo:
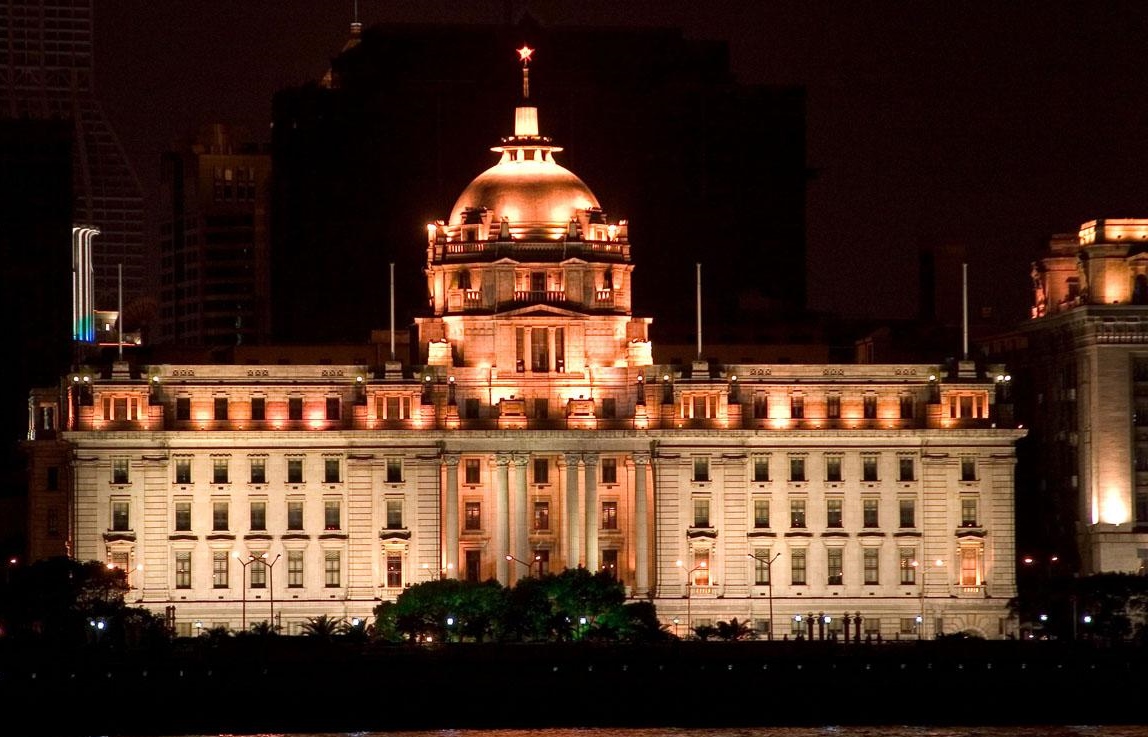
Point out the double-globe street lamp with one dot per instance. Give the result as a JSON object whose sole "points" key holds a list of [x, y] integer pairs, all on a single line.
{"points": [[768, 585], [530, 565], [689, 588], [261, 559], [938, 565]]}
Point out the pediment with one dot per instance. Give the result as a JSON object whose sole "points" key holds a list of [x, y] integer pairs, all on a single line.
{"points": [[541, 311]]}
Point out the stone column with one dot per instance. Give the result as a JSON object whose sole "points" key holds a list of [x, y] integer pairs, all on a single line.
{"points": [[641, 527], [573, 538], [553, 358], [502, 519], [592, 511], [521, 548], [450, 532]]}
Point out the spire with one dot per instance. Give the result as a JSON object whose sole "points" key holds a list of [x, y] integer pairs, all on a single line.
{"points": [[524, 56], [329, 78]]}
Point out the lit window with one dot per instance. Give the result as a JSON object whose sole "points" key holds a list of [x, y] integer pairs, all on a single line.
{"points": [[257, 576], [610, 515], [761, 564], [473, 517], [908, 565], [332, 514], [541, 516], [394, 571], [970, 567], [968, 512], [610, 562]]}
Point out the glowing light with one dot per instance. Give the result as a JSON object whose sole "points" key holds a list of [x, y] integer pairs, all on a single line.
{"points": [[524, 54], [1113, 509]]}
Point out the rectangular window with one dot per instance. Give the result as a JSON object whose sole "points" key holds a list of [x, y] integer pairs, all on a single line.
{"points": [[796, 469], [52, 482], [332, 514], [797, 567], [183, 569], [797, 513], [259, 470], [760, 405], [869, 513], [219, 470], [701, 568], [295, 408], [761, 514], [907, 512], [182, 409], [701, 468], [294, 569], [472, 471], [833, 406], [183, 516], [970, 573], [219, 515], [609, 408], [295, 515], [220, 409], [761, 563], [541, 408], [869, 406], [543, 558], [394, 470], [394, 571], [833, 566], [394, 514], [872, 574], [609, 515], [258, 409], [542, 471], [332, 569], [905, 469], [797, 407], [258, 516], [906, 406], [294, 470], [541, 516], [701, 512], [219, 569], [968, 468], [473, 517], [908, 625], [183, 470], [869, 468], [473, 565], [833, 513], [832, 468], [908, 557], [120, 470], [968, 512], [761, 468], [610, 562], [609, 470], [331, 470], [332, 408], [121, 516]]}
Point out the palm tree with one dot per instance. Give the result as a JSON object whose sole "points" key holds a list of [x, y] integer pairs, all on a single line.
{"points": [[322, 627], [733, 630]]}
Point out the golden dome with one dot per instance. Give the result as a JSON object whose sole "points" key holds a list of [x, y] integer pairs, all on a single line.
{"points": [[537, 196]]}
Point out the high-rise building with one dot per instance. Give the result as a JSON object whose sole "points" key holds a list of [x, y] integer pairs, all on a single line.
{"points": [[691, 154], [1081, 378], [214, 268], [46, 71], [535, 433]]}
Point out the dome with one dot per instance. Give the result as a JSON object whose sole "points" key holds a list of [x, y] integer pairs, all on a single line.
{"points": [[536, 195], [530, 194]]}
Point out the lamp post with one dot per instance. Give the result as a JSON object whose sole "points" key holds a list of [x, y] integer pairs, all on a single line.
{"points": [[689, 588], [768, 586], [938, 564], [250, 559], [270, 582], [530, 565]]}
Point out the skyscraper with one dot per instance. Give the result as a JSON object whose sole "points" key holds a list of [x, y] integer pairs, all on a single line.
{"points": [[47, 71]]}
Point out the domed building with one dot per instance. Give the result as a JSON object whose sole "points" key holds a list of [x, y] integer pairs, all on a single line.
{"points": [[535, 434]]}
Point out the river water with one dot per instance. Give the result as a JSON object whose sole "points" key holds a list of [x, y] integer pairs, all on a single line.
{"points": [[826, 731]]}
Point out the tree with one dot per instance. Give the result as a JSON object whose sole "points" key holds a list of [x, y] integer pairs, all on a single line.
{"points": [[322, 627], [733, 630]]}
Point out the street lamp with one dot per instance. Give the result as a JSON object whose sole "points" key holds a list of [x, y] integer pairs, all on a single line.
{"points": [[250, 559], [529, 566], [270, 582], [768, 586], [689, 588], [938, 564]]}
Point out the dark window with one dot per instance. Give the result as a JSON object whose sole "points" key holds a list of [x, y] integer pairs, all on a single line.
{"points": [[796, 469], [701, 468], [295, 408], [906, 470], [908, 513], [258, 516], [472, 471], [968, 469], [331, 470], [394, 470], [219, 471], [797, 513], [609, 470], [52, 483], [183, 516], [610, 562], [869, 512], [394, 571], [833, 406], [609, 408], [473, 565], [258, 408], [906, 406], [258, 470], [760, 468], [797, 407], [869, 406], [120, 521], [833, 513], [761, 513], [332, 408], [219, 516], [541, 516], [868, 468], [221, 408], [541, 471], [833, 468], [119, 470], [183, 408], [294, 515], [294, 470]]}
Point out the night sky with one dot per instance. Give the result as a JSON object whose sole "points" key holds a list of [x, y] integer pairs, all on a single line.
{"points": [[984, 125]]}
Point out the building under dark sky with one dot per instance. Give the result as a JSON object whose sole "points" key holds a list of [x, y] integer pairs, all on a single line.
{"points": [[654, 122]]}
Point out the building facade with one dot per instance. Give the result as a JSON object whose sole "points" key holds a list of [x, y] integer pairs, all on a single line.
{"points": [[535, 433], [1088, 366]]}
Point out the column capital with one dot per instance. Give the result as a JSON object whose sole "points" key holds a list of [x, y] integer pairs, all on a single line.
{"points": [[502, 459], [571, 459], [450, 459], [641, 459], [590, 459], [519, 459]]}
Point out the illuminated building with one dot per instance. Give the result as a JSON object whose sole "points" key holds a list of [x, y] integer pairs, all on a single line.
{"points": [[535, 433], [1084, 358], [214, 270]]}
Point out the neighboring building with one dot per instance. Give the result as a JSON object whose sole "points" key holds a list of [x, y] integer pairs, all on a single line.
{"points": [[46, 72], [1081, 376], [214, 241], [534, 433], [657, 120]]}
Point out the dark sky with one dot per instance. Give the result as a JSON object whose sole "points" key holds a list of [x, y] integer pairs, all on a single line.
{"points": [[983, 125]]}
